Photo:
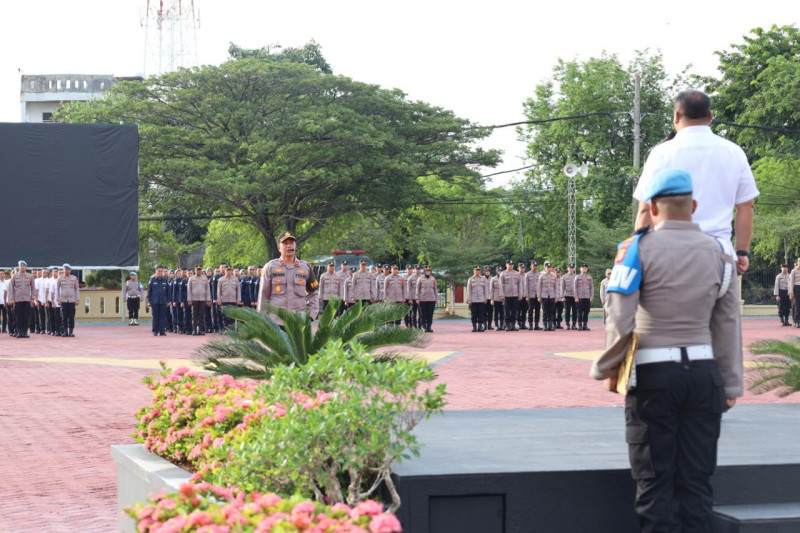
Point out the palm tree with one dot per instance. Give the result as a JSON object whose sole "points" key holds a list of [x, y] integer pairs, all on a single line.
{"points": [[779, 370], [259, 343]]}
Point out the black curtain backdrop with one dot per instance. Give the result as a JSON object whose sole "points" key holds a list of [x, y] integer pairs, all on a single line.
{"points": [[69, 194]]}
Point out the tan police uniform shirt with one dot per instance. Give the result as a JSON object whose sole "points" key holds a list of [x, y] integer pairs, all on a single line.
{"points": [[603, 287], [426, 289], [531, 284], [794, 277], [411, 287], [496, 289], [675, 256], [782, 282], [583, 287], [349, 295], [511, 283], [329, 287], [476, 290], [394, 288], [568, 285], [342, 275], [67, 289], [21, 288], [291, 286], [198, 289], [379, 287], [228, 290], [362, 286], [547, 285]]}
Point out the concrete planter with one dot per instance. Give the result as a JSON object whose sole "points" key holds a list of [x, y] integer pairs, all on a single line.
{"points": [[139, 474]]}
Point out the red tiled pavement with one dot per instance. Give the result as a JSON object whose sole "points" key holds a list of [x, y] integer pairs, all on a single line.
{"points": [[58, 420]]}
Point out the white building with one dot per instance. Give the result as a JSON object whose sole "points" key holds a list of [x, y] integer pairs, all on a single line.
{"points": [[42, 95]]}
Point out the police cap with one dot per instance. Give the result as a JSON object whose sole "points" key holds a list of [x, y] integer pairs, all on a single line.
{"points": [[535, 264], [509, 262], [22, 263], [198, 266], [66, 265], [133, 274], [331, 263], [548, 264], [669, 182], [784, 265], [285, 236], [521, 264], [558, 269], [416, 266], [477, 267], [362, 262], [352, 269], [584, 265], [571, 265], [344, 262]]}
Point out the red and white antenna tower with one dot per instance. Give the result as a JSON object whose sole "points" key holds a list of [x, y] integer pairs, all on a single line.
{"points": [[170, 35]]}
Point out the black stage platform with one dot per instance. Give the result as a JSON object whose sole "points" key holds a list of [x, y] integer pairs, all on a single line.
{"points": [[567, 470]]}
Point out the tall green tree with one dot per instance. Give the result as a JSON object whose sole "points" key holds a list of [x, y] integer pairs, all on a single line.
{"points": [[600, 91], [283, 143]]}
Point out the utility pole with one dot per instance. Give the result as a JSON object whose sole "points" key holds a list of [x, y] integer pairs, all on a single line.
{"points": [[637, 133]]}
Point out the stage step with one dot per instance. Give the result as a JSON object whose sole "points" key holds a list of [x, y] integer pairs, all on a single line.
{"points": [[757, 518]]}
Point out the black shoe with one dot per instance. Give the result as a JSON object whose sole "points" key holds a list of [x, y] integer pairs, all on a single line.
{"points": [[163, 334], [489, 327], [523, 326], [537, 328], [71, 334], [474, 328], [155, 334]]}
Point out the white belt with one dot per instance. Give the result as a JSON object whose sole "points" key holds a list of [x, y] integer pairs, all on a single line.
{"points": [[645, 356]]}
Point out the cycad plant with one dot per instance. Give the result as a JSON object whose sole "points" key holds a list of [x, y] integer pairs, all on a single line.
{"points": [[778, 370], [258, 343]]}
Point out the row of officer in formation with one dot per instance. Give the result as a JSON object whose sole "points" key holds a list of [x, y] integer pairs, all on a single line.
{"points": [[516, 296], [41, 301], [191, 303], [383, 283], [787, 294]]}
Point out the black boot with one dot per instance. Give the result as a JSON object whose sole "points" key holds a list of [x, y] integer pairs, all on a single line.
{"points": [[481, 329], [70, 333], [536, 327], [474, 328]]}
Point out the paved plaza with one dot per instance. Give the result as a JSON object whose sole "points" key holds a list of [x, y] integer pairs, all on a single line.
{"points": [[66, 400]]}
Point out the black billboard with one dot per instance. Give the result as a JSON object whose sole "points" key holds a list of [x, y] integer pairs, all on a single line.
{"points": [[69, 194]]}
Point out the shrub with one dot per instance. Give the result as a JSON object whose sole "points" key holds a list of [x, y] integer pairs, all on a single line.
{"points": [[778, 370], [258, 343], [343, 450], [206, 508]]}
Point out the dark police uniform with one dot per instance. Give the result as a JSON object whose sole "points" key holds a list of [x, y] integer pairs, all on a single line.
{"points": [[158, 296], [686, 366]]}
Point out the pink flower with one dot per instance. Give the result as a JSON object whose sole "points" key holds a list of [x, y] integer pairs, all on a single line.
{"points": [[219, 441], [385, 523], [173, 525], [304, 507], [367, 508], [200, 518]]}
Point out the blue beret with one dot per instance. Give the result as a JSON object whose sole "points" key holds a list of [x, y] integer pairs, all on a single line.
{"points": [[670, 182], [133, 274], [22, 263], [66, 265]]}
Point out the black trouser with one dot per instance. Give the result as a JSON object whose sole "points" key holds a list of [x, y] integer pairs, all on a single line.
{"points": [[522, 311], [477, 313], [365, 303], [177, 317], [426, 314], [549, 311], [68, 315], [533, 311], [12, 319], [226, 320], [58, 323], [415, 315], [159, 313], [672, 426], [511, 306], [570, 310], [559, 310], [219, 324], [584, 304], [499, 313], [198, 316], [133, 308], [42, 309], [488, 308], [784, 304], [796, 307], [3, 319], [51, 325], [22, 311], [207, 318]]}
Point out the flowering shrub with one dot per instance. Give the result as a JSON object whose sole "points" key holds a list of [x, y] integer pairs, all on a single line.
{"points": [[343, 450], [192, 413], [204, 508]]}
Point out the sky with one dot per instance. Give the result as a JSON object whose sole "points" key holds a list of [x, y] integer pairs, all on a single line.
{"points": [[481, 59]]}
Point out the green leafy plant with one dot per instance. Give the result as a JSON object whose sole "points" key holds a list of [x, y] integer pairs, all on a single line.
{"points": [[343, 449], [779, 370], [258, 344]]}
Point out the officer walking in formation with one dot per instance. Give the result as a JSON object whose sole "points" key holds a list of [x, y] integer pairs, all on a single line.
{"points": [[531, 284], [198, 297], [583, 287], [497, 299], [487, 278], [568, 292], [133, 295], [794, 293], [411, 294], [511, 281], [781, 293], [21, 295], [329, 289], [68, 293], [158, 297], [560, 299], [477, 294], [289, 282], [522, 310], [688, 368], [427, 295], [547, 291]]}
